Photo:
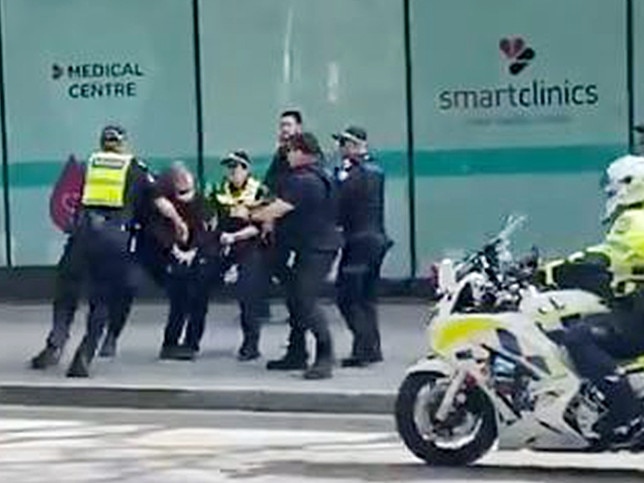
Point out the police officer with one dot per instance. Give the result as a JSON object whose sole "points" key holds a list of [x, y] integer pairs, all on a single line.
{"points": [[305, 211], [115, 183], [613, 271], [71, 272], [242, 245], [361, 216]]}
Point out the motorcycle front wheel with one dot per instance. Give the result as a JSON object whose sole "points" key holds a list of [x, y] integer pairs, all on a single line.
{"points": [[468, 433]]}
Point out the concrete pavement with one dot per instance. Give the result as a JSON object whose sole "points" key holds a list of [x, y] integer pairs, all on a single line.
{"points": [[137, 379]]}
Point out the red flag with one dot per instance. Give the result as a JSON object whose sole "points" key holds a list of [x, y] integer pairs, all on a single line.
{"points": [[66, 195]]}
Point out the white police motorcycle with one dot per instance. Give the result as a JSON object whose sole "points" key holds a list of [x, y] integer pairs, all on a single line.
{"points": [[493, 374]]}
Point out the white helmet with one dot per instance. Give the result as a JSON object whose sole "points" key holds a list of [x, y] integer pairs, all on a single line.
{"points": [[623, 183]]}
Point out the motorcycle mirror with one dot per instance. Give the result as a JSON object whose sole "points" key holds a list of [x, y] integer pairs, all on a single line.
{"points": [[534, 252], [446, 275], [533, 258]]}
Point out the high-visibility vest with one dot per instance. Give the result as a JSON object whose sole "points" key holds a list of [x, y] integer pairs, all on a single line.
{"points": [[623, 250], [106, 179], [246, 196]]}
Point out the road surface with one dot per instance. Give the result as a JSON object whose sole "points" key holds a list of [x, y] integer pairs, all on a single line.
{"points": [[78, 445]]}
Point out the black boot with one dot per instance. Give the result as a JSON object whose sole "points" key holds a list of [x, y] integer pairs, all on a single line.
{"points": [[360, 353], [49, 356], [354, 361], [251, 323], [108, 349], [80, 364], [296, 356], [322, 368], [248, 350], [375, 356], [622, 426], [319, 370], [290, 362], [177, 353]]}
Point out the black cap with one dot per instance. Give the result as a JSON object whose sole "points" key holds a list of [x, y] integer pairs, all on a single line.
{"points": [[305, 142], [639, 128], [352, 133], [237, 157], [113, 133]]}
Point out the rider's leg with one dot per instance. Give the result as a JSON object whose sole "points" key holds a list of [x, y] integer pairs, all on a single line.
{"points": [[586, 346]]}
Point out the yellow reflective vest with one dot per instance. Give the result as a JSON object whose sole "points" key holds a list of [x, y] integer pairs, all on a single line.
{"points": [[623, 248], [226, 196], [106, 180], [227, 200]]}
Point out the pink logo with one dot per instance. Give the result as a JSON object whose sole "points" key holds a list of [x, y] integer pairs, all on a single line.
{"points": [[66, 196], [512, 46]]}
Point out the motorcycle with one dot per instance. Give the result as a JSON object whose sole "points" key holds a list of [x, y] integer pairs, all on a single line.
{"points": [[494, 373]]}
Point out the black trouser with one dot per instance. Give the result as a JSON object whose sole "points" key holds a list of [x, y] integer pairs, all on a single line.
{"points": [[70, 274], [594, 344], [357, 282], [188, 290], [275, 264], [113, 276], [251, 288], [303, 286], [149, 256]]}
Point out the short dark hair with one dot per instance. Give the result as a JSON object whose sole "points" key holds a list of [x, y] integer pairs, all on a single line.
{"points": [[305, 142], [297, 115]]}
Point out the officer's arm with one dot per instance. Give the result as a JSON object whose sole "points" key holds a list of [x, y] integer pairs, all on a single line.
{"points": [[247, 233], [167, 209], [292, 192], [588, 270], [148, 184], [271, 212]]}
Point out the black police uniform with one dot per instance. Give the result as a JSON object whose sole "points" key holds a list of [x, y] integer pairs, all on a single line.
{"points": [[361, 216], [105, 235], [71, 272], [310, 232], [250, 256], [148, 254], [279, 170]]}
